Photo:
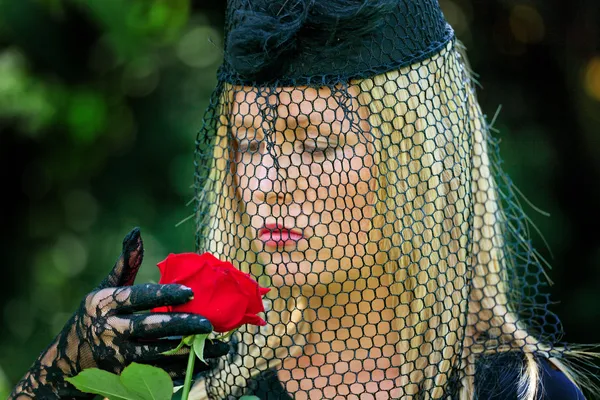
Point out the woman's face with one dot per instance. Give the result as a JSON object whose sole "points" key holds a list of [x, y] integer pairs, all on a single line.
{"points": [[303, 169]]}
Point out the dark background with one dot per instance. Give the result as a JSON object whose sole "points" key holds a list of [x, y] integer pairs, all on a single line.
{"points": [[99, 107]]}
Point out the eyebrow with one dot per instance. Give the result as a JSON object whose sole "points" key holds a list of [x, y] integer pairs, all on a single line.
{"points": [[239, 119], [304, 120], [252, 127]]}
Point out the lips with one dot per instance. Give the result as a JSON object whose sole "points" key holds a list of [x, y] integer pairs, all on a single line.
{"points": [[278, 235]]}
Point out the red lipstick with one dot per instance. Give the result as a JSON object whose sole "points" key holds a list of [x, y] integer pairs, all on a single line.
{"points": [[278, 235]]}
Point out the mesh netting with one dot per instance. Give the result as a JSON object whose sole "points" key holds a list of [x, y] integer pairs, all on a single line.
{"points": [[362, 185]]}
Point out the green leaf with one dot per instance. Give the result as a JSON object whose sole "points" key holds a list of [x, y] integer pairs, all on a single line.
{"points": [[150, 383], [247, 397], [189, 340], [199, 341], [97, 381], [175, 350], [227, 335]]}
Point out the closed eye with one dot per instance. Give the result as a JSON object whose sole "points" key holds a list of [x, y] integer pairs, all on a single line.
{"points": [[317, 148], [245, 145]]}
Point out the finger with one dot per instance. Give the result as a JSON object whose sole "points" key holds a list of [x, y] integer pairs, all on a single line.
{"points": [[153, 351], [160, 325], [176, 367], [129, 262], [177, 370], [151, 295], [215, 348], [126, 300], [175, 364]]}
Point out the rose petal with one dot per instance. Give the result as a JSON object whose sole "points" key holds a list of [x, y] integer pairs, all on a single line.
{"points": [[171, 267], [163, 309], [163, 268], [226, 296], [203, 284], [254, 320], [228, 304], [186, 265], [255, 303]]}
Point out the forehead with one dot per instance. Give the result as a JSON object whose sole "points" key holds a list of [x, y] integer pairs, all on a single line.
{"points": [[291, 101], [282, 95]]}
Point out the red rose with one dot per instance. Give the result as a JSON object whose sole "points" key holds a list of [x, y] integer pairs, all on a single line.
{"points": [[226, 296]]}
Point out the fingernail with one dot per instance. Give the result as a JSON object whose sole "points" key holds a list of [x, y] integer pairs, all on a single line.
{"points": [[134, 234], [188, 289], [222, 348], [178, 382], [217, 349], [131, 239], [199, 375]]}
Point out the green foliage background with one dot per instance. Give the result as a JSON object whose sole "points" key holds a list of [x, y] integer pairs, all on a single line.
{"points": [[99, 106]]}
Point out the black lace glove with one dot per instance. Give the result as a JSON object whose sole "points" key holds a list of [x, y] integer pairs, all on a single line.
{"points": [[106, 333]]}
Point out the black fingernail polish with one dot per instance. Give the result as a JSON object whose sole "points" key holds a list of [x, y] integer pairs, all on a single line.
{"points": [[187, 289], [131, 239], [178, 382], [198, 376], [221, 348], [217, 349]]}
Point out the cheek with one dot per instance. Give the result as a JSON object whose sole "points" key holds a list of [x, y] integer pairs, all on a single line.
{"points": [[248, 178], [358, 164], [313, 172], [352, 180], [338, 202], [358, 180]]}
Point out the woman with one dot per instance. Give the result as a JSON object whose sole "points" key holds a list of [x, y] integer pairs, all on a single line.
{"points": [[345, 163], [357, 209]]}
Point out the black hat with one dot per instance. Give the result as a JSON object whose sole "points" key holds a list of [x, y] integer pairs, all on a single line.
{"points": [[327, 41]]}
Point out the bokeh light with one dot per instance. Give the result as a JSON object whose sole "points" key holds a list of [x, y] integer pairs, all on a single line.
{"points": [[526, 24], [459, 15], [591, 78], [200, 47]]}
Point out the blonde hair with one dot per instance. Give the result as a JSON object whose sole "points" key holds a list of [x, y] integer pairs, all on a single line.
{"points": [[438, 234], [422, 220]]}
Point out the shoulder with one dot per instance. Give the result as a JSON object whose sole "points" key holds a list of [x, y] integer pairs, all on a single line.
{"points": [[497, 378]]}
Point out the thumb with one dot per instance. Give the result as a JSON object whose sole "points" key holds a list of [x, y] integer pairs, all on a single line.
{"points": [[129, 262]]}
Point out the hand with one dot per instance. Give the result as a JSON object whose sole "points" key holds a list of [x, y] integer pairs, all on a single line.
{"points": [[107, 333]]}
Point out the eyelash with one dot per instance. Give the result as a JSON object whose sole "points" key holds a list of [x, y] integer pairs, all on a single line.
{"points": [[317, 150], [248, 145]]}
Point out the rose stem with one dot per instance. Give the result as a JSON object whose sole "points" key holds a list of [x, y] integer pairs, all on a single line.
{"points": [[188, 375]]}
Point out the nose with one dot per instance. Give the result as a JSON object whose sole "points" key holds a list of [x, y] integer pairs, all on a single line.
{"points": [[274, 183]]}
